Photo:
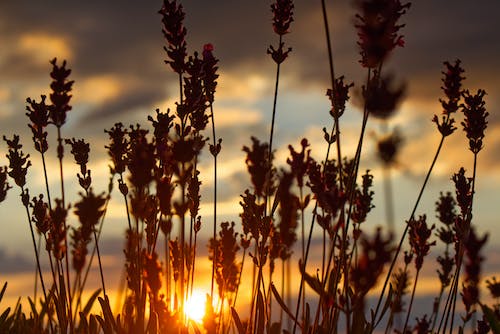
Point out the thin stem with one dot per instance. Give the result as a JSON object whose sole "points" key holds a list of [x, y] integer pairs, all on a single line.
{"points": [[50, 208], [214, 235], [400, 245], [468, 218], [37, 257], [60, 150], [271, 134], [411, 301], [126, 204], [239, 277], [337, 131], [99, 261], [308, 246]]}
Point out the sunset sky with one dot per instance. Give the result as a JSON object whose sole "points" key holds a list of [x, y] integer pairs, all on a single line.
{"points": [[115, 51]]}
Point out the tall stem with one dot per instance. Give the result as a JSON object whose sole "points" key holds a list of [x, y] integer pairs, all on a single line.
{"points": [[214, 235], [60, 154], [400, 245], [411, 301], [37, 257]]}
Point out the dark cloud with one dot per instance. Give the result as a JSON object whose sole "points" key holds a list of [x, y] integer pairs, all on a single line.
{"points": [[125, 40], [133, 100]]}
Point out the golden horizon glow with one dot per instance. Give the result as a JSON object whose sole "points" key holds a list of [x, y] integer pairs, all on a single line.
{"points": [[194, 308]]}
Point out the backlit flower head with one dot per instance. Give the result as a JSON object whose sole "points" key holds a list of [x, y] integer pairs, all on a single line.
{"points": [[209, 70], [258, 164], [118, 147], [18, 161], [474, 119], [38, 114], [419, 234], [4, 185], [452, 88], [40, 214], [60, 95], [282, 16], [339, 96], [378, 29], [175, 33]]}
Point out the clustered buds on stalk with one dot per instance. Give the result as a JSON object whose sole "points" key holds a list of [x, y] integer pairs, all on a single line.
{"points": [[472, 270], [89, 211], [223, 250], [475, 115], [18, 161], [362, 201], [117, 149], [60, 96], [175, 34], [209, 69], [4, 185], [80, 151], [463, 189], [419, 234], [257, 162], [339, 96], [57, 232], [282, 18], [378, 29], [288, 217], [452, 88], [38, 114], [40, 214]]}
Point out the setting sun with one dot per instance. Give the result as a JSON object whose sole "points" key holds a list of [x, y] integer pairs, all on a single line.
{"points": [[194, 308]]}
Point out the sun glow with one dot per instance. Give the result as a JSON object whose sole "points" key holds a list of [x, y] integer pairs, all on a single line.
{"points": [[194, 308]]}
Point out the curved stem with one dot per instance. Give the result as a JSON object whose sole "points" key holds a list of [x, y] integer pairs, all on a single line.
{"points": [[400, 245]]}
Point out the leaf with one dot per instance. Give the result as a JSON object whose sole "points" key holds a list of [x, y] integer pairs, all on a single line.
{"points": [[313, 282], [105, 327], [492, 319], [237, 321], [3, 291], [84, 325], [4, 316], [33, 307], [93, 326], [90, 302], [283, 306], [108, 315]]}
